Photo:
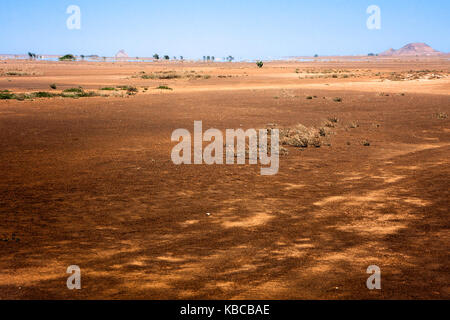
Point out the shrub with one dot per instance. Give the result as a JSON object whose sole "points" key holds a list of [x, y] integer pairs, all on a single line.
{"points": [[164, 88], [259, 64], [108, 89], [53, 86], [74, 90], [6, 95], [337, 99], [43, 94]]}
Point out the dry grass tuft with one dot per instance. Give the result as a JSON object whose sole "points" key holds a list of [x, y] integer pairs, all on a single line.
{"points": [[301, 137], [353, 125], [441, 115]]}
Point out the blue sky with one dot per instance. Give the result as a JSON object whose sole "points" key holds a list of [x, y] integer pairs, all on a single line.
{"points": [[244, 28]]}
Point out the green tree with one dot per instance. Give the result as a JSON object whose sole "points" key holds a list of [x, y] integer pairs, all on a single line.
{"points": [[67, 57], [32, 55]]}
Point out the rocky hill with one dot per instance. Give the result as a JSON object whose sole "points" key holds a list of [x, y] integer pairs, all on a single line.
{"points": [[412, 49]]}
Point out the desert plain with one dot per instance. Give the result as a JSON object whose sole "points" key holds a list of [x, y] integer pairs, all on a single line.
{"points": [[89, 180]]}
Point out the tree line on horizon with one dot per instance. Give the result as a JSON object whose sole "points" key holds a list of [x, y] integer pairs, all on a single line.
{"points": [[71, 57], [205, 58]]}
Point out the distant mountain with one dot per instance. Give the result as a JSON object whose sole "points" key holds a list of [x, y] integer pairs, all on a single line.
{"points": [[389, 52], [121, 54], [412, 49]]}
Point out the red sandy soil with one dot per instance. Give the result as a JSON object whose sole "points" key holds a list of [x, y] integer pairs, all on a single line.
{"points": [[90, 182]]}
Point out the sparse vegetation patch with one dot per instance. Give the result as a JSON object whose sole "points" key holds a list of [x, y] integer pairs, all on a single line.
{"points": [[74, 90], [441, 115], [413, 75], [353, 125], [163, 75], [164, 88], [43, 94], [6, 95]]}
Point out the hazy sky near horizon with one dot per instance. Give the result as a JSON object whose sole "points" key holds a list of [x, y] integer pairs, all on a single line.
{"points": [[244, 28]]}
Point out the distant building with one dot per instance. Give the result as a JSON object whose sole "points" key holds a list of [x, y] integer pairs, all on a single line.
{"points": [[121, 55]]}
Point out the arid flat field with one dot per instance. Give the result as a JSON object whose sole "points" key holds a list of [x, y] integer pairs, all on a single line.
{"points": [[86, 178]]}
